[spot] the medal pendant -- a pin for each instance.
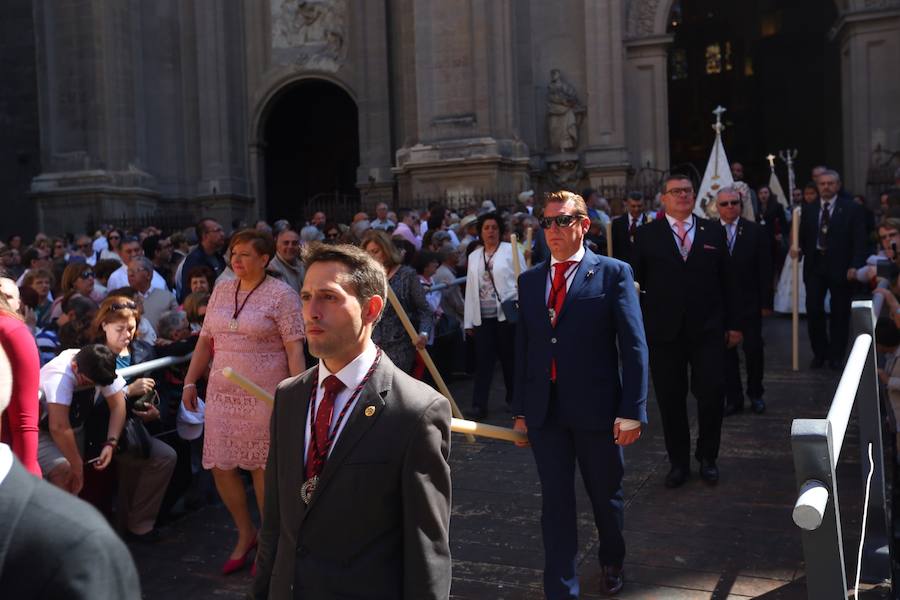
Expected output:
(552, 313)
(233, 325)
(308, 488)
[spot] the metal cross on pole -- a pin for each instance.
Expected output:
(718, 127)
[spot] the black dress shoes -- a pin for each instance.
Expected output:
(678, 474)
(817, 363)
(709, 472)
(733, 409)
(613, 579)
(758, 405)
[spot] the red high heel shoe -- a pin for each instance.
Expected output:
(236, 564)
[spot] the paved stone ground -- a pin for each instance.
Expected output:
(735, 540)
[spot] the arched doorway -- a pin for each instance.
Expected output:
(771, 64)
(310, 137)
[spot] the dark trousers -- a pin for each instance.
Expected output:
(493, 340)
(556, 449)
(833, 344)
(753, 361)
(669, 364)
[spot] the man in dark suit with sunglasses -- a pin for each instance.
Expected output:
(689, 300)
(578, 313)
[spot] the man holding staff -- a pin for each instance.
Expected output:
(570, 395)
(357, 479)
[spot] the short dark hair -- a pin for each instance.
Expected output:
(31, 253)
(200, 228)
(98, 363)
(635, 195)
(262, 241)
(151, 245)
(674, 177)
(587, 193)
(423, 259)
(886, 333)
(365, 276)
(491, 216)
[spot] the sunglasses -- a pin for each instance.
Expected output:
(86, 274)
(730, 203)
(124, 305)
(560, 220)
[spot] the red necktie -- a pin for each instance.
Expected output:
(315, 458)
(556, 299)
(633, 229)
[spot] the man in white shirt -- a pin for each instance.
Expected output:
(382, 221)
(59, 453)
(129, 249)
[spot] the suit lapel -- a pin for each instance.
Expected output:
(700, 238)
(294, 445)
(667, 237)
(358, 424)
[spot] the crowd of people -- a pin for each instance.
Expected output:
(80, 315)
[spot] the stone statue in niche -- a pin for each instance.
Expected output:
(309, 33)
(564, 113)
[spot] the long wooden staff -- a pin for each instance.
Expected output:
(529, 233)
(469, 428)
(609, 248)
(795, 290)
(517, 267)
(435, 374)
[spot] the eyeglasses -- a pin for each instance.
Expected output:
(560, 220)
(86, 274)
(124, 305)
(730, 203)
(680, 191)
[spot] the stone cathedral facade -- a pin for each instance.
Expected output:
(149, 107)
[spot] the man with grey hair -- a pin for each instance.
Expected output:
(751, 260)
(382, 222)
(156, 301)
(52, 544)
(833, 241)
(287, 257)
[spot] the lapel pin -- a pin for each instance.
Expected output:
(370, 410)
(589, 274)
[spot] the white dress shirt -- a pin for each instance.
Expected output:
(6, 461)
(624, 424)
(351, 376)
(690, 226)
(119, 279)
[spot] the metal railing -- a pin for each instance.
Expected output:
(816, 446)
(443, 286)
(152, 365)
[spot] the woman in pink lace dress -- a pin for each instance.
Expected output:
(254, 325)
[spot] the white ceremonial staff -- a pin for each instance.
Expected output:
(469, 428)
(788, 157)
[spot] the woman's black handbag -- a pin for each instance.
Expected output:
(136, 440)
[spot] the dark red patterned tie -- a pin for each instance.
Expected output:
(557, 298)
(633, 229)
(315, 460)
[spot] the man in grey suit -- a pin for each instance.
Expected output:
(53, 545)
(357, 479)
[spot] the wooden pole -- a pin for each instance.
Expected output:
(469, 428)
(529, 235)
(517, 267)
(609, 249)
(795, 290)
(414, 337)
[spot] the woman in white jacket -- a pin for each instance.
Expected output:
(490, 280)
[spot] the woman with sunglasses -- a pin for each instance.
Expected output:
(142, 481)
(490, 281)
(113, 240)
(77, 279)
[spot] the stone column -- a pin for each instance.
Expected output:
(465, 101)
(870, 60)
(605, 154)
(88, 67)
(646, 88)
(223, 187)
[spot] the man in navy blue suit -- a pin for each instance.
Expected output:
(578, 311)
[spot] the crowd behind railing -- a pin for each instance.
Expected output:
(110, 300)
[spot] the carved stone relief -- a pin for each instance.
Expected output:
(564, 114)
(309, 33)
(641, 19)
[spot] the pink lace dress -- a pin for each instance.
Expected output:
(237, 424)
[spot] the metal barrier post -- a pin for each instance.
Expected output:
(812, 447)
(876, 562)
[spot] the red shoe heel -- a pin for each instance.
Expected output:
(233, 565)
